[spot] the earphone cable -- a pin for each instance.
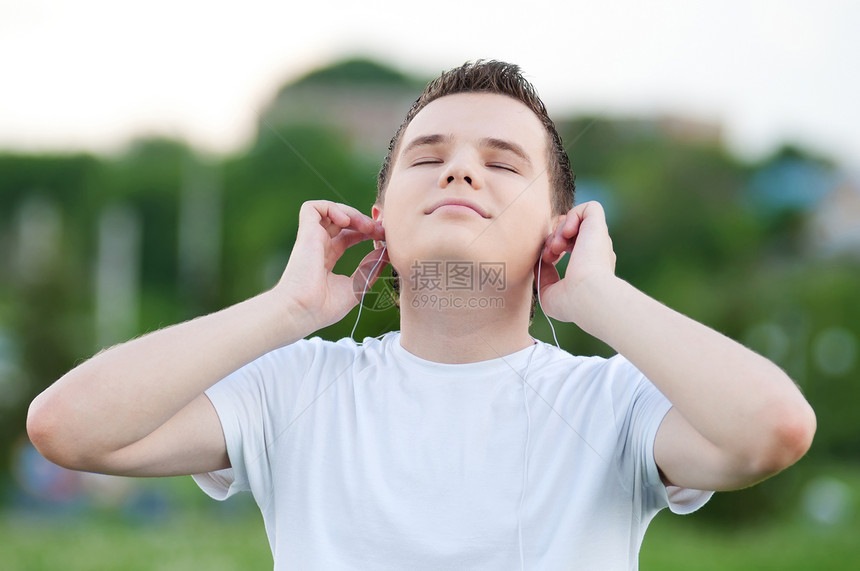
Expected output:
(364, 292)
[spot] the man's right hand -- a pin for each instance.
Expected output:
(326, 230)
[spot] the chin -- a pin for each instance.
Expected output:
(441, 248)
(424, 242)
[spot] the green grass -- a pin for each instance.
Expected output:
(217, 543)
(92, 544)
(673, 543)
(214, 536)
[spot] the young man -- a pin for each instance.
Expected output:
(459, 441)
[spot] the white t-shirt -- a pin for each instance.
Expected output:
(365, 456)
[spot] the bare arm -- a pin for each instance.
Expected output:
(736, 417)
(139, 408)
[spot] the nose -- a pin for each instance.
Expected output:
(461, 168)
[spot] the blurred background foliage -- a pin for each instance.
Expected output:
(97, 249)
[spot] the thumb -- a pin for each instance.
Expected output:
(368, 270)
(545, 274)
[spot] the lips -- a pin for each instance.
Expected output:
(458, 202)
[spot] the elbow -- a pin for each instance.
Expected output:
(41, 428)
(49, 433)
(787, 439)
(44, 429)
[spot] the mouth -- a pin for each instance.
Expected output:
(458, 204)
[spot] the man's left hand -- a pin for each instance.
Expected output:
(583, 233)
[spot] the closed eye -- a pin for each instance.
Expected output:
(502, 166)
(420, 162)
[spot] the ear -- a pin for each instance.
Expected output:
(376, 214)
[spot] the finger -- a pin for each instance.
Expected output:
(574, 220)
(348, 238)
(564, 239)
(546, 254)
(548, 274)
(558, 244)
(349, 217)
(369, 228)
(591, 212)
(333, 217)
(560, 224)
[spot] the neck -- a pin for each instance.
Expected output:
(464, 327)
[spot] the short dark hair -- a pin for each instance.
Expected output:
(500, 78)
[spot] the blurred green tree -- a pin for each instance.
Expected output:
(722, 240)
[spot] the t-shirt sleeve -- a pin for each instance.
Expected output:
(252, 404)
(642, 411)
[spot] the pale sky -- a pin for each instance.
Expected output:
(94, 74)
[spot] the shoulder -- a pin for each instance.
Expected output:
(562, 366)
(316, 355)
(314, 350)
(612, 382)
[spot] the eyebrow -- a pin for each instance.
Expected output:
(426, 140)
(488, 142)
(503, 145)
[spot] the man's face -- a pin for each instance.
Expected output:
(469, 182)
